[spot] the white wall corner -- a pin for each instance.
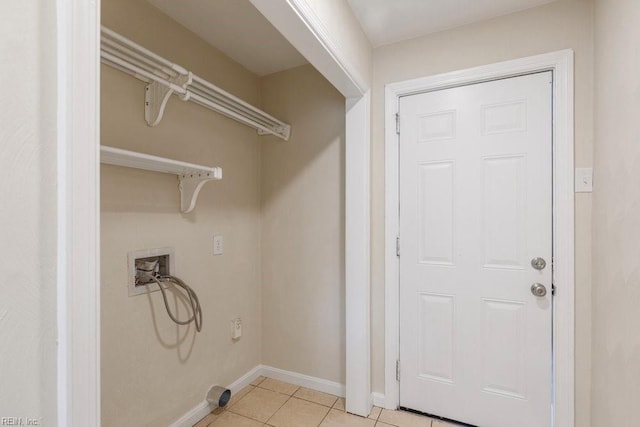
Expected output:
(203, 408)
(302, 380)
(379, 400)
(246, 379)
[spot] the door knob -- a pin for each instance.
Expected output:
(538, 263)
(538, 290)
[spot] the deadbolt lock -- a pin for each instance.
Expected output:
(538, 263)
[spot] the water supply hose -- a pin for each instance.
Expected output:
(194, 303)
(147, 272)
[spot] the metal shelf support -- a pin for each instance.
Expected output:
(191, 177)
(165, 78)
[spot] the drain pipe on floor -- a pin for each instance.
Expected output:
(218, 396)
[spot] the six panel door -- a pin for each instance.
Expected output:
(475, 209)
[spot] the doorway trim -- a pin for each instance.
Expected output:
(78, 212)
(305, 30)
(561, 64)
(78, 307)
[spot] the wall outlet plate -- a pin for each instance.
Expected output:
(236, 328)
(584, 180)
(218, 245)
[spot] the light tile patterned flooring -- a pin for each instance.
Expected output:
(268, 402)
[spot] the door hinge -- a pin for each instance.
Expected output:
(398, 123)
(553, 276)
(398, 246)
(397, 370)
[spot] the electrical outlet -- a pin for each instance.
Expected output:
(218, 245)
(236, 325)
(584, 180)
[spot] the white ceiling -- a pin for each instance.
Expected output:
(238, 29)
(389, 21)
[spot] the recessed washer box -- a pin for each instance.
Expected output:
(166, 266)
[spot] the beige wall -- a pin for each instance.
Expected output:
(616, 218)
(153, 371)
(561, 25)
(303, 227)
(28, 213)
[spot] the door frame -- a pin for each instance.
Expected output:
(305, 30)
(561, 64)
(78, 284)
(78, 212)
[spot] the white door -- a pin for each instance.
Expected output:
(475, 209)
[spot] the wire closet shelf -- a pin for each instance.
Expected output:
(164, 78)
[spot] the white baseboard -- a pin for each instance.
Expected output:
(303, 380)
(245, 380)
(193, 416)
(203, 408)
(379, 400)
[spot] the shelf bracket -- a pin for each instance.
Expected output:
(190, 186)
(157, 95)
(282, 131)
(164, 78)
(191, 177)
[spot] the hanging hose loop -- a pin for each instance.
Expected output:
(148, 271)
(194, 303)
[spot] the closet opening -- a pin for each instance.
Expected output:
(214, 128)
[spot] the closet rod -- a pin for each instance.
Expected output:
(143, 51)
(111, 59)
(165, 78)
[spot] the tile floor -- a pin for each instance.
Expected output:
(268, 402)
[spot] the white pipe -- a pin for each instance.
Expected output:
(252, 115)
(125, 70)
(145, 51)
(198, 90)
(235, 99)
(114, 47)
(249, 116)
(118, 67)
(227, 112)
(154, 70)
(116, 60)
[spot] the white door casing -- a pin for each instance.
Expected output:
(78, 211)
(299, 24)
(561, 64)
(79, 24)
(475, 208)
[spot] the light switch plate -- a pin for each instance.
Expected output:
(584, 180)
